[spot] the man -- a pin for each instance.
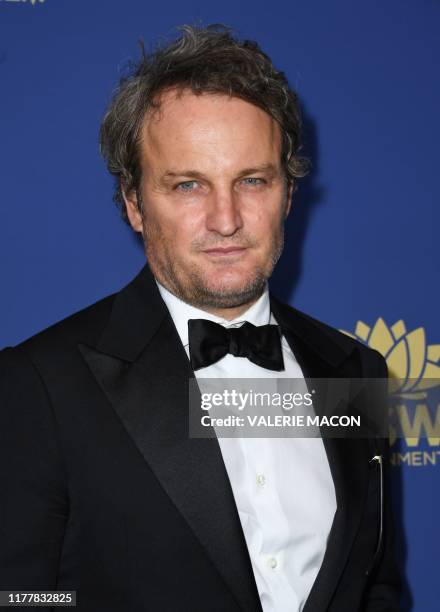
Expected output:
(103, 490)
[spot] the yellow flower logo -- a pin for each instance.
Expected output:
(412, 364)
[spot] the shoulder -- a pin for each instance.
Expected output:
(83, 326)
(330, 338)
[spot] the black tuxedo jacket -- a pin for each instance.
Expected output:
(103, 492)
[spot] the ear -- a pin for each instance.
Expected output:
(289, 194)
(132, 208)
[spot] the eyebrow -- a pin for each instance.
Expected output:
(170, 174)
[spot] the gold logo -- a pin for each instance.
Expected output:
(414, 369)
(412, 364)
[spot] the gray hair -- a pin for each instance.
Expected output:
(204, 60)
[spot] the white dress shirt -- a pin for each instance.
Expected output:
(283, 488)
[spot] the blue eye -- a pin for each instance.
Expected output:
(253, 181)
(186, 186)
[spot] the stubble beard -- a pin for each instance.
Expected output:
(194, 289)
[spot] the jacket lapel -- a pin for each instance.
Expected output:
(320, 357)
(142, 368)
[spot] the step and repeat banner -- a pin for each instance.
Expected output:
(362, 239)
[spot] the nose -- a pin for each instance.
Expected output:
(223, 212)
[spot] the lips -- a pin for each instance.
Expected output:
(225, 250)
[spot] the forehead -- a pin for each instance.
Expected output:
(186, 123)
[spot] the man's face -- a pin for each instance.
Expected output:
(213, 196)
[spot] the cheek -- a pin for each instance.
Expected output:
(264, 224)
(265, 210)
(181, 231)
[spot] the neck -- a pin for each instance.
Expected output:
(228, 313)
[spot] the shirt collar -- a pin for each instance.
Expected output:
(181, 312)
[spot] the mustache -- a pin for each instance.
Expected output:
(215, 242)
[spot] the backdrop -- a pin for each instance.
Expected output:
(360, 250)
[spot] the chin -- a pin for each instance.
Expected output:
(232, 288)
(230, 281)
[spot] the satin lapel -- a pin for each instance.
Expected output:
(347, 457)
(148, 388)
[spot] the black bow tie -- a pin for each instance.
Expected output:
(209, 342)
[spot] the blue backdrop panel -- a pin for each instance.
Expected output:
(360, 250)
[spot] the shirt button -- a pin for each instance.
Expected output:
(272, 562)
(261, 480)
